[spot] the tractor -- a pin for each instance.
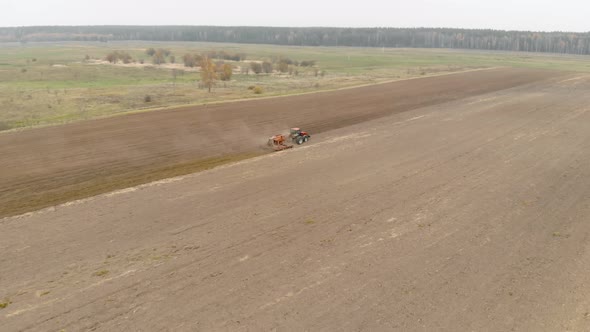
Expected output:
(297, 136)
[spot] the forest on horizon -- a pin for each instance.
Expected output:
(497, 40)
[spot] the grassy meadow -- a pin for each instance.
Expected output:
(52, 83)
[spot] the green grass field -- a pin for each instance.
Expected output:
(51, 83)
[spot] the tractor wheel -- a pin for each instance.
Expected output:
(306, 139)
(299, 140)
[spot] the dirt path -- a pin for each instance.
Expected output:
(47, 166)
(467, 215)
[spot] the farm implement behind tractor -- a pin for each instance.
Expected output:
(296, 135)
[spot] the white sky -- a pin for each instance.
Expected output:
(543, 15)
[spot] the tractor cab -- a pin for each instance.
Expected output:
(295, 132)
(298, 136)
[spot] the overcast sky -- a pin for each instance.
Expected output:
(543, 15)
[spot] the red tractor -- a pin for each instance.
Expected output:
(297, 136)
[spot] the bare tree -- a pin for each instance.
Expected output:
(283, 67)
(244, 70)
(256, 67)
(112, 57)
(189, 60)
(267, 67)
(125, 57)
(174, 74)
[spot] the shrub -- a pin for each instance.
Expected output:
(256, 67)
(283, 67)
(267, 67)
(5, 303)
(112, 57)
(147, 98)
(286, 60)
(251, 87)
(125, 57)
(258, 90)
(189, 60)
(115, 56)
(159, 57)
(223, 55)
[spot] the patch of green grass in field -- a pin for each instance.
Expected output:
(5, 303)
(49, 83)
(101, 273)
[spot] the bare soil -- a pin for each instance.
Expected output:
(465, 215)
(47, 166)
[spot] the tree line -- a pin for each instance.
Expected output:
(554, 42)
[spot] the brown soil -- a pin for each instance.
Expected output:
(47, 166)
(469, 215)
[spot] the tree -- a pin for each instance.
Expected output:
(174, 75)
(112, 57)
(115, 56)
(172, 59)
(125, 57)
(267, 67)
(159, 57)
(208, 73)
(524, 41)
(244, 70)
(226, 73)
(287, 60)
(189, 60)
(150, 51)
(283, 66)
(256, 67)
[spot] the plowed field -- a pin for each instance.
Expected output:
(470, 214)
(47, 166)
